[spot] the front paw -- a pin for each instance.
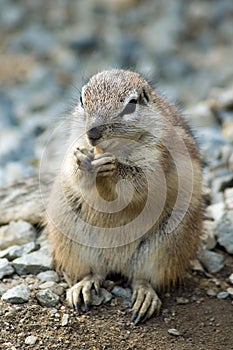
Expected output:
(145, 302)
(104, 164)
(81, 292)
(84, 158)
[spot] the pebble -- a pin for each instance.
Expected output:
(122, 292)
(65, 320)
(212, 261)
(16, 233)
(31, 340)
(6, 268)
(17, 295)
(215, 211)
(231, 278)
(182, 300)
(3, 289)
(103, 297)
(49, 275)
(224, 231)
(211, 293)
(7, 115)
(211, 142)
(53, 286)
(228, 195)
(47, 298)
(209, 234)
(230, 291)
(33, 263)
(222, 295)
(174, 331)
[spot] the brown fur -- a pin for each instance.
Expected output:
(158, 256)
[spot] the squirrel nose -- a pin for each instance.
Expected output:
(94, 133)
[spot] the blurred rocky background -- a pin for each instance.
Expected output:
(48, 49)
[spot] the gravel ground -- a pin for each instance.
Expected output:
(46, 53)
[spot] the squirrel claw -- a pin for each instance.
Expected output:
(82, 291)
(145, 302)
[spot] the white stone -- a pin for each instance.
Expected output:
(31, 340)
(215, 211)
(16, 251)
(212, 261)
(65, 320)
(5, 268)
(47, 298)
(33, 263)
(208, 237)
(228, 195)
(17, 295)
(16, 233)
(231, 278)
(49, 275)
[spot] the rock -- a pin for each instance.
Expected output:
(222, 182)
(16, 145)
(231, 278)
(122, 292)
(212, 261)
(6, 268)
(211, 293)
(224, 231)
(227, 129)
(3, 289)
(231, 162)
(65, 320)
(33, 263)
(16, 233)
(174, 331)
(103, 298)
(47, 298)
(31, 340)
(230, 291)
(17, 295)
(49, 275)
(7, 114)
(228, 195)
(35, 39)
(211, 142)
(16, 251)
(215, 211)
(222, 295)
(221, 99)
(13, 15)
(182, 301)
(53, 286)
(208, 237)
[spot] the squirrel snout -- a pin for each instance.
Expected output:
(94, 133)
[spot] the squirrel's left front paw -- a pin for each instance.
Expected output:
(104, 164)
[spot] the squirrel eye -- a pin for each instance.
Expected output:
(130, 107)
(81, 100)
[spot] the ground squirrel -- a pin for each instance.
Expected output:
(127, 198)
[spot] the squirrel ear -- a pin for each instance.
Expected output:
(81, 100)
(144, 94)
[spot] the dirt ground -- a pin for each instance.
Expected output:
(204, 323)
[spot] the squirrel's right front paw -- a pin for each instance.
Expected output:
(84, 159)
(81, 292)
